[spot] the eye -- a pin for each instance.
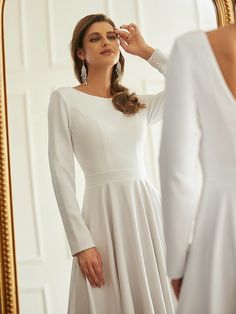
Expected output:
(94, 39)
(112, 37)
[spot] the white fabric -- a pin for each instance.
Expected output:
(121, 209)
(199, 125)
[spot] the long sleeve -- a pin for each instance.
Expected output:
(159, 61)
(61, 160)
(155, 103)
(179, 158)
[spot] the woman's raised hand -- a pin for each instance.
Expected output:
(90, 263)
(132, 41)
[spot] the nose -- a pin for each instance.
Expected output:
(105, 42)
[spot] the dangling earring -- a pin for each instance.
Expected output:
(118, 69)
(83, 74)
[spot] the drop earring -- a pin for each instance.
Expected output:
(83, 73)
(118, 69)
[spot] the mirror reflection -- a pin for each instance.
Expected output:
(38, 62)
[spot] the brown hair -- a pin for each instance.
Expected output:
(123, 100)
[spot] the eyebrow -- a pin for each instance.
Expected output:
(96, 33)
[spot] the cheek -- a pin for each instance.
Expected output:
(116, 46)
(90, 54)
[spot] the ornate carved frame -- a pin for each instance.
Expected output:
(225, 11)
(8, 277)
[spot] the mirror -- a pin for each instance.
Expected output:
(36, 60)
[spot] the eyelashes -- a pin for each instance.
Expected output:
(109, 37)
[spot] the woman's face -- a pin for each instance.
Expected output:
(100, 45)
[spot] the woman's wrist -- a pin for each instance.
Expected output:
(146, 52)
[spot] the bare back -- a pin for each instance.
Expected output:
(223, 43)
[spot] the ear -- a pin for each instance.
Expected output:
(81, 54)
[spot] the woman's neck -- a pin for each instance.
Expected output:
(99, 81)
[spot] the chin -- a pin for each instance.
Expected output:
(110, 63)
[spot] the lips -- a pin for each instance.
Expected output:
(107, 51)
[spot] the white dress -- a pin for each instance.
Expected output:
(199, 125)
(121, 209)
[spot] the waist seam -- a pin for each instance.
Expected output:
(114, 176)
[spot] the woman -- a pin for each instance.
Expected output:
(200, 125)
(117, 243)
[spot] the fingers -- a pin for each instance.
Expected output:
(91, 267)
(93, 278)
(132, 28)
(122, 34)
(99, 273)
(100, 261)
(95, 275)
(126, 31)
(123, 44)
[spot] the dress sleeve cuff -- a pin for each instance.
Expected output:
(159, 61)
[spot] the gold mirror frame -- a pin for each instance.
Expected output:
(8, 277)
(224, 11)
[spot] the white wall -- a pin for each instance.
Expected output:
(37, 34)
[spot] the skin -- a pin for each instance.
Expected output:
(223, 43)
(98, 37)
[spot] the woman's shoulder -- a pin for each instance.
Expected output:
(65, 95)
(62, 92)
(189, 41)
(188, 51)
(60, 100)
